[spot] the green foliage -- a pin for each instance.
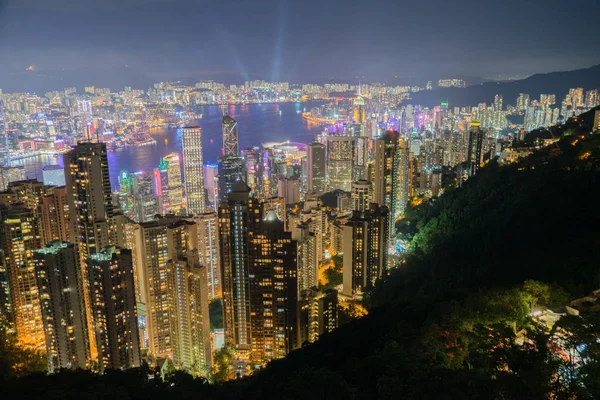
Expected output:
(16, 361)
(215, 309)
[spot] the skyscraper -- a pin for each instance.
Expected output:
(208, 248)
(145, 201)
(316, 171)
(317, 314)
(474, 151)
(306, 256)
(273, 284)
(211, 182)
(365, 249)
(60, 287)
(340, 156)
(168, 184)
(237, 217)
(54, 215)
(113, 308)
(230, 137)
(193, 171)
(156, 243)
(20, 238)
(188, 311)
(90, 210)
(362, 192)
(4, 148)
(231, 170)
(386, 172)
(403, 178)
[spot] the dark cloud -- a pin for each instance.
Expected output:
(302, 40)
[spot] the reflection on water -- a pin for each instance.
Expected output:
(257, 123)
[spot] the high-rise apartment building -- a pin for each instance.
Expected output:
(306, 256)
(60, 286)
(208, 248)
(193, 171)
(365, 239)
(316, 158)
(188, 311)
(90, 211)
(156, 243)
(20, 238)
(289, 189)
(53, 175)
(55, 217)
(317, 314)
(362, 192)
(168, 184)
(113, 309)
(474, 151)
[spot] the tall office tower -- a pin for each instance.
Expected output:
(365, 239)
(498, 102)
(307, 256)
(273, 289)
(90, 209)
(60, 288)
(522, 102)
(193, 171)
(10, 174)
(168, 184)
(125, 196)
(238, 216)
(55, 216)
(20, 237)
(317, 314)
(188, 311)
(362, 193)
(360, 158)
(358, 106)
(254, 170)
(157, 242)
(474, 153)
(340, 154)
(53, 175)
(113, 308)
(211, 183)
(208, 248)
(145, 202)
(317, 171)
(289, 189)
(231, 170)
(230, 137)
(403, 179)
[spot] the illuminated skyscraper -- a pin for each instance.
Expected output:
(498, 102)
(260, 289)
(63, 309)
(318, 314)
(474, 151)
(385, 172)
(230, 137)
(113, 309)
(237, 217)
(168, 184)
(273, 290)
(193, 171)
(365, 239)
(340, 154)
(403, 179)
(55, 216)
(20, 238)
(145, 202)
(316, 172)
(188, 311)
(289, 189)
(359, 110)
(231, 170)
(211, 183)
(4, 148)
(90, 209)
(157, 242)
(208, 248)
(307, 256)
(362, 192)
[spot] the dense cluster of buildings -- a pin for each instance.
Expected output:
(102, 277)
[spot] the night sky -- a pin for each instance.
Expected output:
(302, 40)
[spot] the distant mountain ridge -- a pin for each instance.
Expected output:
(557, 83)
